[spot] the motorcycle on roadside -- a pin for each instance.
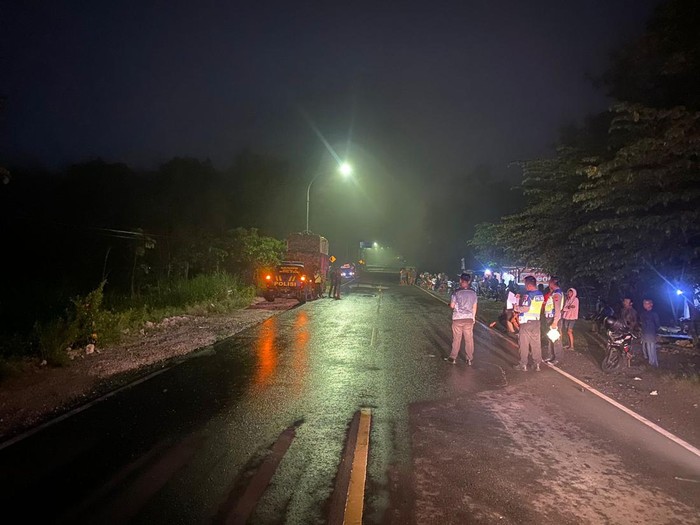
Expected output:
(598, 318)
(618, 344)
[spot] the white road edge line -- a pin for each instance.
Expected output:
(642, 419)
(628, 411)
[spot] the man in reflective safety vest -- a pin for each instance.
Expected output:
(552, 320)
(318, 282)
(529, 308)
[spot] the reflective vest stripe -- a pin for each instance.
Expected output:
(549, 305)
(533, 314)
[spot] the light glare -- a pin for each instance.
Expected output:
(345, 169)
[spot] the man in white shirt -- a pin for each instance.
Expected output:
(463, 304)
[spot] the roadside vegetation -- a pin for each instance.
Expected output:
(105, 315)
(97, 250)
(619, 200)
(90, 321)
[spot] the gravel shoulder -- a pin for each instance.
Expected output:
(40, 393)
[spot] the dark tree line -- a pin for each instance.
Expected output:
(620, 200)
(64, 232)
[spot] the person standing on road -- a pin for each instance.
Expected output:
(529, 309)
(695, 317)
(570, 315)
(552, 318)
(318, 282)
(464, 305)
(629, 315)
(543, 326)
(331, 282)
(335, 283)
(650, 326)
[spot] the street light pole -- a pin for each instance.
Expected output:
(345, 170)
(308, 200)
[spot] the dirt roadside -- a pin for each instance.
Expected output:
(41, 393)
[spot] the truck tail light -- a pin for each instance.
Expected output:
(303, 277)
(268, 277)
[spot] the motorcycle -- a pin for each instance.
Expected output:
(598, 318)
(619, 344)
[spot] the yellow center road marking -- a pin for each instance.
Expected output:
(690, 448)
(356, 491)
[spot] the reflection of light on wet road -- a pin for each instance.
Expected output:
(300, 360)
(301, 331)
(274, 337)
(267, 353)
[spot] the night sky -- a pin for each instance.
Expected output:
(412, 92)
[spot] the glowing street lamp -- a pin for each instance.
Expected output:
(344, 169)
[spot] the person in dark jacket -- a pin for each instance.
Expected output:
(629, 315)
(650, 323)
(335, 284)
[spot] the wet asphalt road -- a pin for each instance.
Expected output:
(448, 444)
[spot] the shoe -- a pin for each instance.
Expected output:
(451, 361)
(469, 362)
(537, 367)
(553, 361)
(522, 368)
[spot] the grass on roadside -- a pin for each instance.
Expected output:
(101, 319)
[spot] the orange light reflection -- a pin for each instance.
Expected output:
(267, 353)
(300, 362)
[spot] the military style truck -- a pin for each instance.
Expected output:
(294, 277)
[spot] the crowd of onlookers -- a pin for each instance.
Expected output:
(407, 276)
(438, 282)
(644, 324)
